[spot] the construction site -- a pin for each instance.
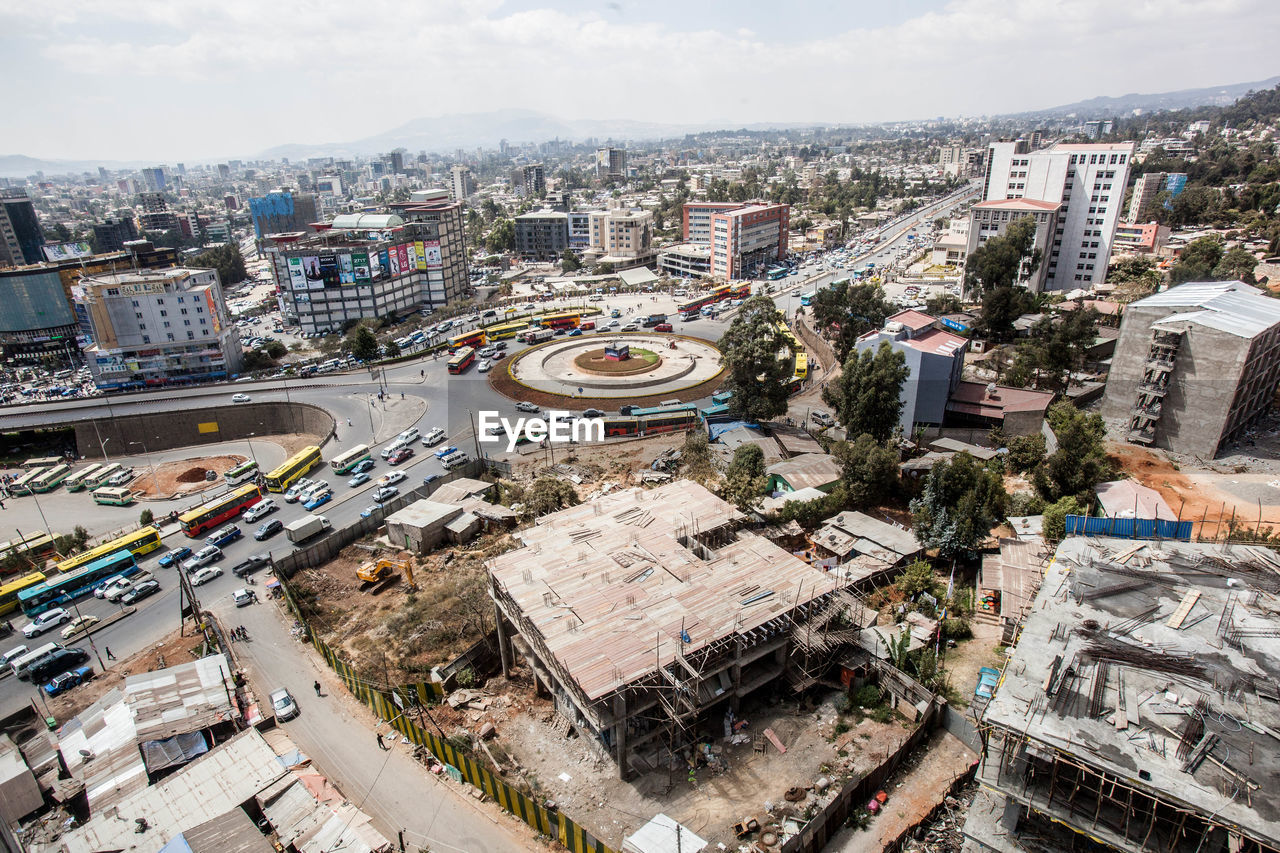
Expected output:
(1140, 708)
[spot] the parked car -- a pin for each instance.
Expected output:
(385, 494)
(662, 327)
(56, 662)
(294, 492)
(442, 452)
(175, 557)
(140, 591)
(359, 479)
(78, 624)
(101, 590)
(318, 500)
(364, 467)
(240, 398)
(203, 557)
(67, 680)
(225, 535)
(242, 597)
(593, 413)
(283, 704)
(523, 406)
(485, 366)
(370, 510)
(205, 575)
(268, 529)
(433, 437)
(430, 478)
(391, 478)
(49, 619)
(250, 564)
(261, 509)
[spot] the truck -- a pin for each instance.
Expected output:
(653, 320)
(306, 527)
(537, 336)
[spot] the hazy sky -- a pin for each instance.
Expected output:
(199, 79)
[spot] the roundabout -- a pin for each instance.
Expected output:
(613, 367)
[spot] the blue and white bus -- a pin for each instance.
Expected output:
(62, 588)
(807, 298)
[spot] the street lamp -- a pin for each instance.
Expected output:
(47, 531)
(76, 608)
(249, 438)
(150, 464)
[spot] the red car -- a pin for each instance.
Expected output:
(400, 455)
(662, 327)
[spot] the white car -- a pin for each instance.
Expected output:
(205, 575)
(314, 489)
(203, 557)
(264, 507)
(295, 491)
(240, 398)
(51, 618)
(433, 437)
(101, 590)
(485, 366)
(391, 478)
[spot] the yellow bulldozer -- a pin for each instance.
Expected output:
(378, 571)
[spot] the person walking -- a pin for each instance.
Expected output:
(382, 746)
(317, 687)
(110, 656)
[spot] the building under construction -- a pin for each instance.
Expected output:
(645, 612)
(1140, 709)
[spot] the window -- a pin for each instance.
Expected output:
(1079, 278)
(1122, 156)
(159, 300)
(135, 304)
(191, 336)
(146, 339)
(164, 313)
(184, 310)
(188, 322)
(170, 336)
(166, 324)
(138, 314)
(182, 299)
(1113, 159)
(142, 325)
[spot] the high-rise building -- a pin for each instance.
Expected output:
(611, 164)
(989, 219)
(542, 235)
(396, 161)
(534, 180)
(281, 212)
(1087, 181)
(154, 179)
(20, 234)
(224, 171)
(157, 327)
(461, 185)
(741, 237)
(1146, 188)
(111, 235)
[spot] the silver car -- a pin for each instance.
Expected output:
(283, 704)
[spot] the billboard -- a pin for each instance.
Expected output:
(297, 278)
(360, 267)
(394, 268)
(433, 260)
(346, 269)
(311, 272)
(378, 264)
(420, 254)
(66, 251)
(403, 252)
(329, 269)
(213, 311)
(413, 256)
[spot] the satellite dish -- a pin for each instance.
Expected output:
(991, 389)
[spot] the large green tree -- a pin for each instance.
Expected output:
(1000, 307)
(845, 312)
(750, 349)
(1198, 260)
(1058, 345)
(1003, 260)
(364, 345)
(227, 260)
(961, 501)
(744, 479)
(1080, 461)
(502, 237)
(1236, 264)
(867, 395)
(869, 470)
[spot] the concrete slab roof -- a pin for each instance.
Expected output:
(424, 513)
(1181, 624)
(1131, 499)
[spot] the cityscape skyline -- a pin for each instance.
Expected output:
(230, 85)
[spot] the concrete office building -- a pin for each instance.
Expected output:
(282, 212)
(935, 359)
(1195, 366)
(533, 180)
(111, 235)
(461, 185)
(741, 237)
(579, 230)
(989, 219)
(20, 234)
(370, 265)
(158, 327)
(1137, 710)
(1146, 238)
(652, 561)
(611, 164)
(1087, 181)
(622, 237)
(1142, 204)
(685, 260)
(154, 179)
(542, 235)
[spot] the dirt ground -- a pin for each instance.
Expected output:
(531, 744)
(618, 461)
(183, 477)
(964, 661)
(170, 650)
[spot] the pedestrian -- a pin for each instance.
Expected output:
(110, 656)
(317, 687)
(382, 746)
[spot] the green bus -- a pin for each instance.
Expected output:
(345, 462)
(51, 479)
(80, 479)
(113, 496)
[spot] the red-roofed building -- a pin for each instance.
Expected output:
(989, 219)
(1016, 411)
(934, 357)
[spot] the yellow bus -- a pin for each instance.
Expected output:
(141, 541)
(802, 367)
(9, 592)
(80, 479)
(505, 330)
(113, 495)
(32, 546)
(23, 485)
(294, 467)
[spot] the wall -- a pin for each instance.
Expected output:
(166, 430)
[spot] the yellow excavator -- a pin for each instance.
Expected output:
(377, 571)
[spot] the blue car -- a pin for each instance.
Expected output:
(366, 465)
(67, 680)
(319, 500)
(174, 557)
(575, 333)
(369, 510)
(430, 478)
(359, 479)
(225, 536)
(445, 451)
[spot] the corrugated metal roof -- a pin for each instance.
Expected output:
(1228, 306)
(862, 526)
(181, 699)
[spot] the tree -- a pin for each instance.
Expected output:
(961, 501)
(1025, 452)
(228, 262)
(867, 395)
(276, 350)
(943, 303)
(1055, 517)
(696, 457)
(548, 494)
(364, 345)
(391, 349)
(146, 517)
(759, 379)
(869, 470)
(1198, 260)
(1004, 260)
(1000, 307)
(1080, 462)
(502, 237)
(1058, 345)
(1135, 277)
(1236, 264)
(569, 261)
(744, 480)
(847, 311)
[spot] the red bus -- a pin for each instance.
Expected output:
(462, 360)
(219, 510)
(717, 294)
(466, 339)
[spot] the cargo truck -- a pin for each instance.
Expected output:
(306, 527)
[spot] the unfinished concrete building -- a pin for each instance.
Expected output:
(1140, 707)
(1195, 366)
(646, 612)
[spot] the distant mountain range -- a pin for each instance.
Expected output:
(468, 130)
(1107, 107)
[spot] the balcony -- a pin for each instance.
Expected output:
(1142, 435)
(1160, 364)
(1153, 389)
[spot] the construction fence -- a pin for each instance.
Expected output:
(398, 704)
(1128, 528)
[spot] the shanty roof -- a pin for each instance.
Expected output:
(184, 698)
(615, 587)
(456, 491)
(872, 536)
(974, 398)
(1228, 306)
(809, 470)
(1191, 638)
(100, 747)
(1130, 499)
(1016, 572)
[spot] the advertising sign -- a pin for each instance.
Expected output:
(346, 270)
(403, 252)
(360, 266)
(394, 267)
(329, 269)
(213, 312)
(66, 251)
(311, 272)
(377, 265)
(297, 278)
(433, 259)
(413, 256)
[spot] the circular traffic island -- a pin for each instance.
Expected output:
(640, 368)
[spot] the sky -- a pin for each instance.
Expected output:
(200, 80)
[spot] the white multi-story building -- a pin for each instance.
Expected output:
(1088, 181)
(156, 327)
(461, 185)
